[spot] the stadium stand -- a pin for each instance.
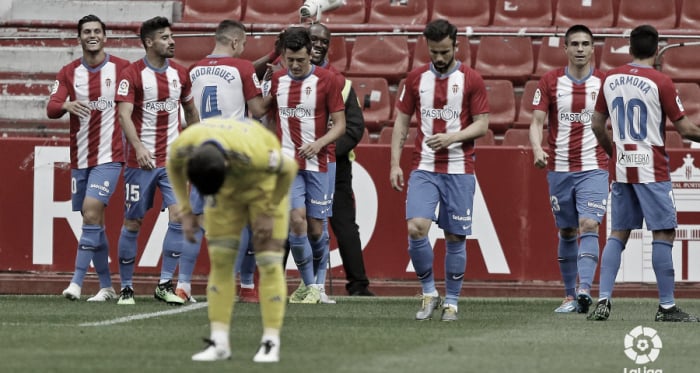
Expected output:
(338, 53)
(366, 139)
(283, 12)
(505, 57)
(119, 11)
(674, 140)
(375, 101)
(522, 13)
(386, 133)
(632, 13)
(353, 12)
(487, 140)
(681, 63)
(525, 107)
(190, 49)
(516, 137)
(257, 46)
(615, 53)
(462, 13)
(689, 15)
(380, 56)
(689, 94)
(212, 11)
(421, 55)
(592, 13)
(501, 105)
(398, 12)
(551, 55)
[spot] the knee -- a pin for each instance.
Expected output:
(298, 224)
(588, 226)
(567, 233)
(417, 229)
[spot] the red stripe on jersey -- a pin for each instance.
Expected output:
(295, 123)
(95, 91)
(632, 173)
(162, 119)
(578, 104)
(661, 168)
(440, 125)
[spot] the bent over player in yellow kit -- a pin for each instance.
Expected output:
(240, 167)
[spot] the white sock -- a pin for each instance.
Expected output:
(247, 286)
(186, 286)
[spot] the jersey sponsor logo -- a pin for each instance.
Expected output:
(169, 105)
(634, 159)
(54, 87)
(295, 112)
(583, 117)
(123, 88)
(101, 104)
(446, 113)
(101, 188)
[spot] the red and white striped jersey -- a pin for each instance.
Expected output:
(573, 146)
(444, 104)
(96, 139)
(303, 107)
(638, 99)
(156, 95)
(221, 86)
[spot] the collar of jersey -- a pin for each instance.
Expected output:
(445, 75)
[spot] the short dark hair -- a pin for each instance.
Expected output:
(150, 26)
(206, 168)
(227, 26)
(439, 29)
(576, 29)
(295, 38)
(90, 18)
(644, 41)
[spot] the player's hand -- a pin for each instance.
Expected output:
(308, 151)
(540, 157)
(396, 178)
(438, 141)
(77, 108)
(145, 159)
(190, 225)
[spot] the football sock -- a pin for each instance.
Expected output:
(609, 265)
(101, 261)
(422, 258)
(567, 253)
(587, 260)
(301, 252)
(88, 243)
(188, 260)
(172, 250)
(662, 261)
(319, 250)
(455, 264)
(127, 256)
(221, 286)
(273, 289)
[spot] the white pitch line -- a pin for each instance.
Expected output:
(142, 316)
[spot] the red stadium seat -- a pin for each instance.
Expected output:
(689, 93)
(525, 108)
(501, 105)
(674, 140)
(190, 49)
(353, 12)
(365, 137)
(212, 11)
(632, 13)
(277, 11)
(380, 56)
(398, 12)
(522, 13)
(516, 137)
(505, 57)
(386, 133)
(257, 46)
(375, 102)
(615, 53)
(421, 56)
(689, 15)
(486, 140)
(462, 13)
(551, 55)
(681, 63)
(338, 54)
(592, 13)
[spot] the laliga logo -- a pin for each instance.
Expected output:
(642, 345)
(316, 7)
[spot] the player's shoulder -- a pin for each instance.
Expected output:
(118, 61)
(554, 74)
(177, 66)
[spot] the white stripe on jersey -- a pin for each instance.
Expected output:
(149, 117)
(108, 84)
(82, 91)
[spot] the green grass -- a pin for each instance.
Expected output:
(43, 334)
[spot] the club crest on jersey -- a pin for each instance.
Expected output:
(307, 90)
(593, 95)
(175, 83)
(108, 82)
(123, 88)
(455, 88)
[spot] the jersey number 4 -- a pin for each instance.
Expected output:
(209, 106)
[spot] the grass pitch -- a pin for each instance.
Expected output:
(359, 334)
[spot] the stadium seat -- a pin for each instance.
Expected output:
(462, 13)
(501, 105)
(212, 11)
(421, 55)
(353, 12)
(689, 93)
(486, 140)
(375, 102)
(681, 63)
(279, 11)
(257, 46)
(525, 108)
(615, 53)
(386, 133)
(592, 13)
(190, 49)
(338, 54)
(398, 12)
(689, 15)
(551, 55)
(522, 13)
(365, 137)
(632, 13)
(380, 56)
(516, 137)
(505, 57)
(674, 140)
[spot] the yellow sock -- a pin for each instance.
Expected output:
(221, 287)
(272, 289)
